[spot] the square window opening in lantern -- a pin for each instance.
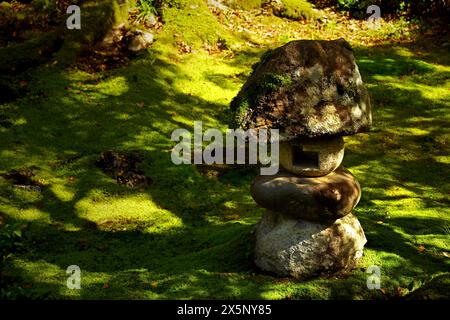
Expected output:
(305, 159)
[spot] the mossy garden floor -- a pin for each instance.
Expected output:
(188, 235)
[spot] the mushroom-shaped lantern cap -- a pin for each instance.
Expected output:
(306, 89)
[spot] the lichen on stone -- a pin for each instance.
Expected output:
(270, 83)
(306, 89)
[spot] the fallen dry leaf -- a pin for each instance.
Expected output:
(400, 292)
(421, 248)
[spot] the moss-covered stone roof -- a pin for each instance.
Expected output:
(306, 89)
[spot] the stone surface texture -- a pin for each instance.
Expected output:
(139, 40)
(330, 153)
(315, 199)
(306, 89)
(301, 249)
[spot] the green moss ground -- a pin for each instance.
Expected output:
(187, 236)
(294, 9)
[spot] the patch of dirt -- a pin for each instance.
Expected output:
(22, 20)
(231, 217)
(22, 179)
(110, 53)
(124, 168)
(216, 171)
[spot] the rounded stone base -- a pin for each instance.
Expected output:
(302, 249)
(314, 199)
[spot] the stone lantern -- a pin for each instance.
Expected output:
(313, 93)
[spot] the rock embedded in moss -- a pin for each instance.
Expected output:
(324, 96)
(302, 249)
(139, 40)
